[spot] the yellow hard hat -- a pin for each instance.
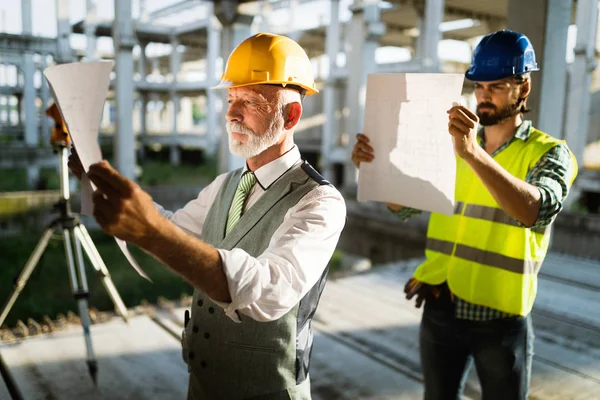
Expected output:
(271, 59)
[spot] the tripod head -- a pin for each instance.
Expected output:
(60, 134)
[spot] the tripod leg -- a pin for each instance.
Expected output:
(27, 270)
(92, 253)
(80, 291)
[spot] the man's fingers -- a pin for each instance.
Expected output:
(457, 133)
(414, 289)
(103, 210)
(74, 167)
(410, 284)
(465, 111)
(470, 114)
(105, 186)
(460, 125)
(420, 299)
(362, 138)
(362, 146)
(110, 178)
(459, 114)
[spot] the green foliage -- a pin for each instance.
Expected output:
(153, 173)
(48, 290)
(197, 114)
(15, 180)
(336, 261)
(157, 173)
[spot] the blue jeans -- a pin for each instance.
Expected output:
(501, 349)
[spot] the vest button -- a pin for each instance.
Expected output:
(191, 355)
(195, 329)
(199, 302)
(206, 335)
(203, 364)
(211, 310)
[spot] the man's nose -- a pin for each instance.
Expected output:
(233, 113)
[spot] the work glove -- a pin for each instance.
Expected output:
(422, 290)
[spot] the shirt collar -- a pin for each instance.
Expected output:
(269, 173)
(523, 132)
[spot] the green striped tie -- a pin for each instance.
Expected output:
(239, 199)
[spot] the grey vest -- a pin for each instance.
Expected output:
(252, 360)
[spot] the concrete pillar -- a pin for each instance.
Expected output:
(143, 100)
(63, 32)
(143, 125)
(154, 98)
(19, 111)
(265, 15)
(143, 11)
(90, 30)
(364, 30)
(545, 22)
(330, 127)
(578, 106)
(236, 28)
(45, 96)
(214, 121)
(430, 34)
(142, 61)
(175, 61)
(4, 121)
(29, 95)
(124, 40)
(418, 44)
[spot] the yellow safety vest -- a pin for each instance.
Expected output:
(486, 257)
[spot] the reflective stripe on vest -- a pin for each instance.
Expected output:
(485, 257)
(494, 215)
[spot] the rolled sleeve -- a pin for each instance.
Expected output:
(552, 175)
(268, 286)
(406, 213)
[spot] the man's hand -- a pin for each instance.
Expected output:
(362, 152)
(121, 207)
(74, 164)
(422, 290)
(462, 125)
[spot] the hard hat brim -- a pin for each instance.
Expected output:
(229, 85)
(490, 78)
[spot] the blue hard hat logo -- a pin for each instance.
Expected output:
(500, 55)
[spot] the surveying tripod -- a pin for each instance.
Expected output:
(75, 236)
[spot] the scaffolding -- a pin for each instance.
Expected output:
(168, 58)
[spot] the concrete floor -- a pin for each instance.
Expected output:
(366, 345)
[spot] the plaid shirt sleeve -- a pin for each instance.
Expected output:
(405, 213)
(552, 174)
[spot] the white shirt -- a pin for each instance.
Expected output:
(268, 286)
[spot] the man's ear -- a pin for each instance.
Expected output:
(292, 114)
(525, 89)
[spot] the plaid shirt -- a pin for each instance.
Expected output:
(552, 175)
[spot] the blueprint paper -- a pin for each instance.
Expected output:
(79, 90)
(407, 124)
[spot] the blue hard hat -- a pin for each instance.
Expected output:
(500, 55)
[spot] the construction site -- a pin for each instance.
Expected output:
(162, 115)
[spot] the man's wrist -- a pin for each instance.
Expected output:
(475, 156)
(155, 233)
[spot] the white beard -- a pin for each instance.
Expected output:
(255, 144)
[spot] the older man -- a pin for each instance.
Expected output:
(256, 242)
